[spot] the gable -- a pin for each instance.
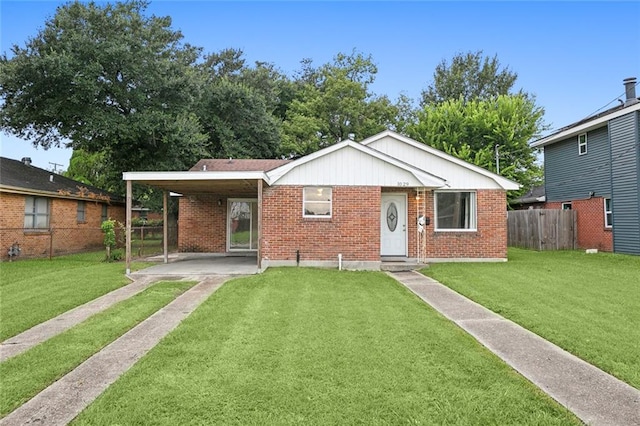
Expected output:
(458, 173)
(350, 164)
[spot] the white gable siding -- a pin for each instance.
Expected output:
(348, 166)
(457, 177)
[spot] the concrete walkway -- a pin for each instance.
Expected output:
(65, 399)
(46, 330)
(596, 397)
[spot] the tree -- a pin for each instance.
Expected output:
(471, 130)
(109, 80)
(470, 76)
(91, 169)
(334, 103)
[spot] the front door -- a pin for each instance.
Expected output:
(393, 225)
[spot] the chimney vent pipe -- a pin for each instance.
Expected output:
(630, 91)
(26, 161)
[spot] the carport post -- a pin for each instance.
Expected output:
(259, 223)
(128, 230)
(165, 233)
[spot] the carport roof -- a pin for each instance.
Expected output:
(219, 182)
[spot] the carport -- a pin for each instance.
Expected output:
(240, 183)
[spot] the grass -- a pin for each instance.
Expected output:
(303, 346)
(33, 291)
(29, 373)
(587, 304)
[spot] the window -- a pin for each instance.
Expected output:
(582, 144)
(36, 213)
(316, 202)
(455, 211)
(566, 206)
(105, 213)
(82, 205)
(608, 213)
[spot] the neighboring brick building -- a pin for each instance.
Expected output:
(593, 167)
(386, 198)
(49, 214)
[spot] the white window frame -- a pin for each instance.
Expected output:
(473, 213)
(607, 223)
(230, 201)
(567, 205)
(329, 202)
(31, 203)
(582, 144)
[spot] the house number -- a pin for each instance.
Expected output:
(403, 183)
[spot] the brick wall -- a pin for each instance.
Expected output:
(490, 239)
(590, 227)
(353, 229)
(202, 224)
(65, 235)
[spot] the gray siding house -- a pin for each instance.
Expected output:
(593, 166)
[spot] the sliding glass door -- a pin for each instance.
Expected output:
(242, 226)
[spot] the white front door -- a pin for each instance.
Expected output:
(393, 225)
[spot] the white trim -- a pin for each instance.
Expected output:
(317, 216)
(191, 176)
(585, 127)
(425, 178)
(503, 182)
(582, 144)
(566, 203)
(604, 206)
(473, 215)
(228, 219)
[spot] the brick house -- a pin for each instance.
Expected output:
(48, 214)
(386, 198)
(593, 167)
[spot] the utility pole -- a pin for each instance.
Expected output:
(497, 159)
(55, 166)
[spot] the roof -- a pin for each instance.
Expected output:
(244, 176)
(534, 195)
(587, 124)
(501, 181)
(237, 165)
(18, 177)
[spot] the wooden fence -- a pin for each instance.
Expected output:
(542, 229)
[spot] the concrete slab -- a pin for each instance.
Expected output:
(203, 264)
(597, 398)
(65, 399)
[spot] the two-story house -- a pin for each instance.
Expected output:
(593, 167)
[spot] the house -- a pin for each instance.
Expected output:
(534, 198)
(593, 167)
(47, 214)
(350, 204)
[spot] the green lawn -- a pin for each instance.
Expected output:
(27, 374)
(588, 304)
(305, 346)
(33, 291)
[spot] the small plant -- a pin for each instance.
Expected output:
(109, 230)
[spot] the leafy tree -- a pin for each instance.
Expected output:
(471, 131)
(469, 76)
(334, 103)
(109, 80)
(90, 168)
(237, 122)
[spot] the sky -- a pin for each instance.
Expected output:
(571, 55)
